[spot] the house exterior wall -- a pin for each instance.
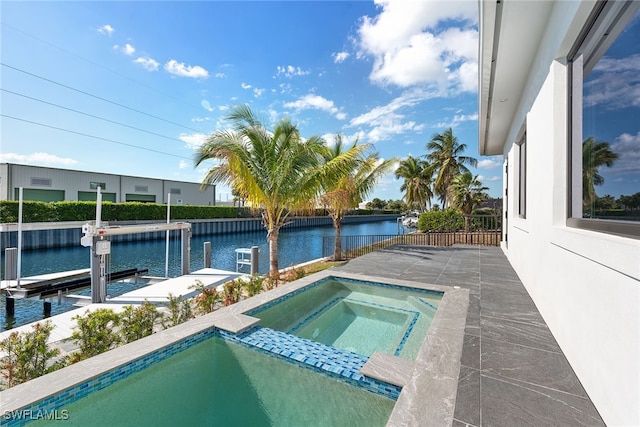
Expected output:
(586, 284)
(13, 176)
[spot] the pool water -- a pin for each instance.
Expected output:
(220, 383)
(356, 316)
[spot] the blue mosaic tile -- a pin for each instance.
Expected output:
(326, 360)
(427, 303)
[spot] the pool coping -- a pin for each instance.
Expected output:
(427, 398)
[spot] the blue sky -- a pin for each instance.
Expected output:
(393, 73)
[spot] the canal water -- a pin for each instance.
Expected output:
(294, 247)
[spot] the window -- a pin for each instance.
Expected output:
(605, 116)
(522, 176)
(94, 185)
(141, 189)
(175, 191)
(40, 182)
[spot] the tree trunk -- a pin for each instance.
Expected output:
(274, 271)
(337, 248)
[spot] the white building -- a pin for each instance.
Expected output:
(52, 185)
(550, 72)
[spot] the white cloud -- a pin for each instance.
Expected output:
(127, 49)
(194, 140)
(206, 105)
(285, 88)
(180, 69)
(457, 119)
(614, 83)
(258, 92)
(290, 71)
(316, 102)
(220, 75)
(406, 100)
(37, 159)
(200, 119)
(410, 47)
(627, 146)
(490, 162)
(484, 179)
(387, 120)
(183, 164)
(245, 86)
(106, 29)
(149, 64)
(339, 57)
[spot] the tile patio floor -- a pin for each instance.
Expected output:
(513, 373)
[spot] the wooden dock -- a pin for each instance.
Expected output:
(11, 286)
(159, 292)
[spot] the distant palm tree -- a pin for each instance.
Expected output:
(345, 188)
(278, 170)
(594, 155)
(417, 175)
(447, 159)
(467, 192)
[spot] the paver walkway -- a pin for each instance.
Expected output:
(513, 372)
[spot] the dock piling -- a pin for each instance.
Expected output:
(207, 254)
(254, 259)
(11, 307)
(46, 308)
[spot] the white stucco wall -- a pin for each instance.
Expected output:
(585, 284)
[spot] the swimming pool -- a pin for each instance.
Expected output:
(229, 364)
(217, 382)
(355, 315)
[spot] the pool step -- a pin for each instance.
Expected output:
(310, 354)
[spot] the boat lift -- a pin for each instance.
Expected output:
(96, 237)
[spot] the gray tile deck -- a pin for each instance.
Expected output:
(512, 371)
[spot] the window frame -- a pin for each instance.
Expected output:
(522, 176)
(605, 23)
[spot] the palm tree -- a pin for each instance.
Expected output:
(276, 170)
(344, 189)
(446, 157)
(594, 155)
(417, 175)
(467, 192)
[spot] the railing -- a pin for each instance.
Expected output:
(481, 230)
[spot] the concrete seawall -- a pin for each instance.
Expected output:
(64, 234)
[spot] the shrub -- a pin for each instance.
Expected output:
(254, 285)
(27, 355)
(294, 274)
(232, 292)
(179, 311)
(138, 322)
(207, 300)
(448, 220)
(95, 333)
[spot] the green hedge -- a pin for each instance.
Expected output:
(129, 211)
(448, 220)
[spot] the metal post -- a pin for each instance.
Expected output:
(254, 259)
(207, 254)
(10, 264)
(166, 254)
(95, 273)
(186, 249)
